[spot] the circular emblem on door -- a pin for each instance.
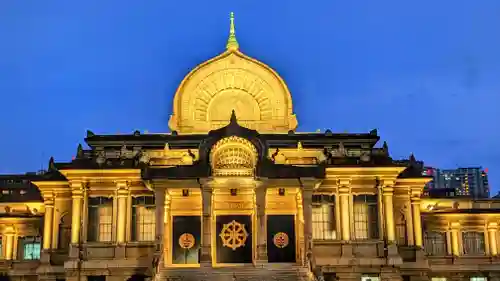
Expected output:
(186, 241)
(281, 240)
(233, 235)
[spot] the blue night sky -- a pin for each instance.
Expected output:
(424, 73)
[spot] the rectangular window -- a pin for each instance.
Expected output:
(143, 218)
(473, 243)
(31, 247)
(323, 217)
(438, 279)
(365, 217)
(478, 279)
(435, 243)
(100, 219)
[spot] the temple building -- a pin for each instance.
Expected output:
(234, 192)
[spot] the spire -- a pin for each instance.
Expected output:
(232, 43)
(233, 119)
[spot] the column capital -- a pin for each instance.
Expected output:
(416, 191)
(48, 203)
(121, 184)
(492, 226)
(9, 230)
(48, 199)
(387, 182)
(388, 190)
(415, 200)
(344, 182)
(77, 186)
(455, 225)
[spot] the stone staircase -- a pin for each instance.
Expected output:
(267, 272)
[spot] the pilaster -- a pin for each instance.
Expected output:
(48, 226)
(206, 241)
(410, 235)
(167, 248)
(344, 190)
(121, 197)
(48, 221)
(159, 216)
(492, 236)
(9, 234)
(387, 193)
(76, 210)
(455, 238)
(307, 192)
(417, 220)
(260, 194)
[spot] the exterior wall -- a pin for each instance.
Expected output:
(387, 256)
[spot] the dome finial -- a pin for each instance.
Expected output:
(232, 43)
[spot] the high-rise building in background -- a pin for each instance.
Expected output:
(470, 181)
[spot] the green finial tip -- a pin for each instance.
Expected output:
(232, 43)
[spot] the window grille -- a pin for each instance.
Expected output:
(143, 218)
(478, 279)
(435, 243)
(323, 217)
(365, 219)
(473, 243)
(100, 219)
(31, 247)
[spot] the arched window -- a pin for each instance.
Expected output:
(401, 228)
(64, 232)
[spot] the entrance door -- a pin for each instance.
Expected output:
(281, 242)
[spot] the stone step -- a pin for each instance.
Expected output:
(267, 272)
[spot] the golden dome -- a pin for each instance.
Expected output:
(233, 156)
(232, 81)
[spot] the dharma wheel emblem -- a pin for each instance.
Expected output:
(281, 240)
(233, 235)
(186, 241)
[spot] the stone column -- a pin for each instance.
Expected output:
(260, 192)
(409, 225)
(455, 238)
(58, 207)
(206, 241)
(159, 217)
(76, 211)
(167, 242)
(307, 191)
(492, 236)
(121, 195)
(48, 222)
(417, 221)
(9, 242)
(388, 192)
(344, 189)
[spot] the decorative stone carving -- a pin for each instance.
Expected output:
(233, 156)
(232, 81)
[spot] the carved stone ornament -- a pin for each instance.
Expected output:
(233, 156)
(232, 81)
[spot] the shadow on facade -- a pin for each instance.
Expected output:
(135, 277)
(4, 277)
